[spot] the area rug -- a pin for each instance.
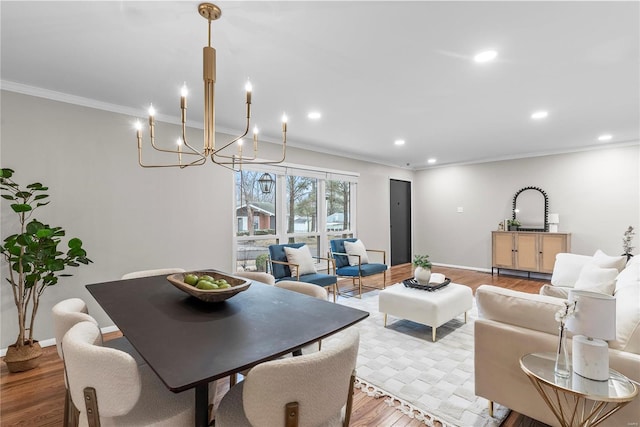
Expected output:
(430, 381)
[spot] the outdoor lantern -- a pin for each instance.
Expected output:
(266, 183)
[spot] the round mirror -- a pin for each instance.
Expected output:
(531, 209)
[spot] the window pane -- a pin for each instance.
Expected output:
(338, 195)
(253, 255)
(302, 207)
(311, 241)
(255, 209)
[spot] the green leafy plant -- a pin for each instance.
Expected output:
(261, 262)
(627, 237)
(513, 223)
(422, 261)
(35, 263)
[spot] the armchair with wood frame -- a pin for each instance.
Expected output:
(355, 265)
(283, 268)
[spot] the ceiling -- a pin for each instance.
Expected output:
(377, 71)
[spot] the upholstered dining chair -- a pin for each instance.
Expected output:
(310, 390)
(66, 314)
(149, 273)
(114, 389)
(312, 291)
(284, 267)
(355, 265)
(258, 276)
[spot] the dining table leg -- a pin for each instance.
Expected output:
(202, 405)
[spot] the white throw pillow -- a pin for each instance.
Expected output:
(629, 277)
(356, 248)
(627, 320)
(595, 279)
(605, 261)
(302, 257)
(567, 269)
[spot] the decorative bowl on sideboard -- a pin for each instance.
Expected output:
(238, 284)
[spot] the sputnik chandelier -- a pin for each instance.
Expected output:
(225, 155)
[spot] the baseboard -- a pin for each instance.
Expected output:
(463, 267)
(52, 341)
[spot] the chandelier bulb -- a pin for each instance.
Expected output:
(138, 125)
(179, 142)
(248, 87)
(255, 130)
(152, 111)
(284, 118)
(184, 91)
(240, 141)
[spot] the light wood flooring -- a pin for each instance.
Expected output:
(35, 398)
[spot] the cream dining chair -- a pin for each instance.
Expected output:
(66, 314)
(310, 390)
(148, 273)
(114, 390)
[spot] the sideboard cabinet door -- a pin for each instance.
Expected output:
(530, 251)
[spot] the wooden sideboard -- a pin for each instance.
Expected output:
(531, 251)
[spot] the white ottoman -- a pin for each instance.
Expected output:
(429, 308)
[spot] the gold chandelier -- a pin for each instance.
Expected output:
(223, 155)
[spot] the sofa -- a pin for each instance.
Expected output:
(511, 324)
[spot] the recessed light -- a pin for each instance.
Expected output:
(399, 142)
(432, 161)
(605, 137)
(314, 115)
(539, 115)
(486, 56)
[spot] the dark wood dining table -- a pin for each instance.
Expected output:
(189, 343)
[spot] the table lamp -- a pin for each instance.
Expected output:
(593, 322)
(554, 220)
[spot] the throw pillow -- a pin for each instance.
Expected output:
(595, 279)
(629, 277)
(567, 269)
(605, 261)
(302, 257)
(356, 248)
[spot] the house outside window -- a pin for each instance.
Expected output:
(317, 208)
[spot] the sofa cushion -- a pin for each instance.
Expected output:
(567, 269)
(302, 257)
(627, 320)
(555, 291)
(596, 279)
(605, 261)
(531, 311)
(354, 249)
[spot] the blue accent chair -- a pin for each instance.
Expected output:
(356, 272)
(281, 271)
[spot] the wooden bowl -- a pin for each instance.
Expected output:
(238, 284)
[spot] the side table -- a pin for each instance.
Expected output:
(577, 401)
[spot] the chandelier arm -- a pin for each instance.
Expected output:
(234, 162)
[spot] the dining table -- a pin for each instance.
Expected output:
(189, 343)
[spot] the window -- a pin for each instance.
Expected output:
(302, 207)
(317, 207)
(338, 196)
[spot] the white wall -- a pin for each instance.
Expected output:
(596, 193)
(131, 218)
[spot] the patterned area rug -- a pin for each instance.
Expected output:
(429, 381)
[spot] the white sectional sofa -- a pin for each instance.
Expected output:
(512, 324)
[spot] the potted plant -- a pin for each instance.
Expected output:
(513, 224)
(35, 263)
(422, 272)
(627, 237)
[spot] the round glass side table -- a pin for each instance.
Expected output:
(577, 401)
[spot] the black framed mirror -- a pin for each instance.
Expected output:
(531, 209)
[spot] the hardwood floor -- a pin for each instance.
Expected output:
(35, 398)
